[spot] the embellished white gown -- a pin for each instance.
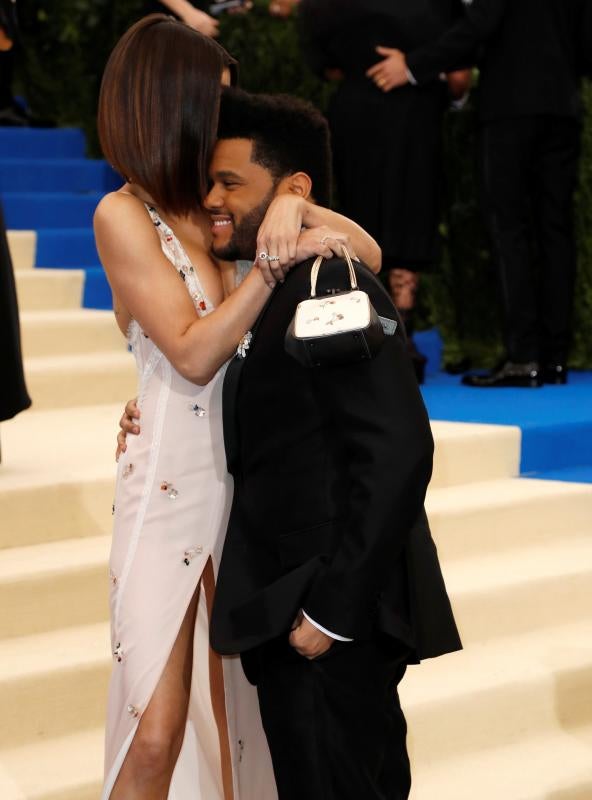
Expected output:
(171, 507)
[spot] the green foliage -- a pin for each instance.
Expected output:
(67, 43)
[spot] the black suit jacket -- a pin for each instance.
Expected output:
(331, 467)
(531, 54)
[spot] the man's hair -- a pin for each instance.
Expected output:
(288, 135)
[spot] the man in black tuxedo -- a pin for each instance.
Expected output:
(531, 55)
(329, 583)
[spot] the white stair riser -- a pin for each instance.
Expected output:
(23, 249)
(475, 459)
(54, 601)
(460, 532)
(52, 704)
(48, 289)
(93, 334)
(89, 791)
(534, 604)
(51, 388)
(517, 710)
(52, 513)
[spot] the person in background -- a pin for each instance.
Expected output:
(387, 145)
(14, 396)
(11, 113)
(532, 54)
(196, 14)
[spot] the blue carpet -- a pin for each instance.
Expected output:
(32, 210)
(56, 175)
(42, 143)
(97, 292)
(66, 248)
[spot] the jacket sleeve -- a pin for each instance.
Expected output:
(382, 433)
(459, 44)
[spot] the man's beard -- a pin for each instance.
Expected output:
(243, 242)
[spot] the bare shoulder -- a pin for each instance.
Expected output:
(117, 209)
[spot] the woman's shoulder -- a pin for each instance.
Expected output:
(120, 207)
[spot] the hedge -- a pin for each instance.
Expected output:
(66, 43)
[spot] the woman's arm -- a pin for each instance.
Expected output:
(289, 213)
(193, 17)
(150, 289)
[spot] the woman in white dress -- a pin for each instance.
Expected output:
(182, 724)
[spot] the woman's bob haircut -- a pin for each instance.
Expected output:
(158, 110)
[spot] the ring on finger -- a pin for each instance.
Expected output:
(273, 258)
(263, 256)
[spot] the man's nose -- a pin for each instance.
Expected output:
(213, 199)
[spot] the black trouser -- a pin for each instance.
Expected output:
(6, 71)
(529, 174)
(334, 725)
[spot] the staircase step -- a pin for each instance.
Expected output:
(65, 768)
(51, 586)
(506, 514)
(66, 248)
(470, 453)
(509, 690)
(26, 210)
(42, 143)
(23, 248)
(78, 380)
(501, 594)
(54, 333)
(58, 474)
(552, 767)
(56, 174)
(53, 684)
(49, 289)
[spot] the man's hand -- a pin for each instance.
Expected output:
(322, 241)
(128, 424)
(459, 83)
(391, 72)
(5, 42)
(307, 640)
(282, 8)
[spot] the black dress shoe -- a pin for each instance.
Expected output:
(12, 117)
(555, 374)
(526, 376)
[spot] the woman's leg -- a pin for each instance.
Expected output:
(148, 767)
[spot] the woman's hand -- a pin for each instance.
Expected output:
(278, 237)
(322, 241)
(201, 22)
(391, 72)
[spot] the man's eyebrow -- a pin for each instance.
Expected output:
(225, 174)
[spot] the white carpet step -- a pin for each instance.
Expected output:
(470, 453)
(53, 684)
(23, 248)
(505, 514)
(55, 333)
(80, 380)
(504, 594)
(49, 289)
(51, 586)
(65, 768)
(504, 691)
(553, 767)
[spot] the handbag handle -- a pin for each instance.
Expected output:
(317, 266)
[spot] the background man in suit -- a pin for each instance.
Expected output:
(531, 55)
(329, 582)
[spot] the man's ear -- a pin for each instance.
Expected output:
(299, 183)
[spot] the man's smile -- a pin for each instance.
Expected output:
(220, 222)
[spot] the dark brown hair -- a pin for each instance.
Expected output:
(158, 109)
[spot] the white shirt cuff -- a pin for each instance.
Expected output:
(411, 77)
(325, 631)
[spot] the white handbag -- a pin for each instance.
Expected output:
(339, 328)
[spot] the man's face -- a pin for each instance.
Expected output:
(237, 202)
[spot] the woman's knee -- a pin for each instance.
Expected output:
(156, 749)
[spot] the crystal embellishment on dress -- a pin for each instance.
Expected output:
(190, 554)
(127, 471)
(133, 711)
(167, 487)
(197, 410)
(241, 747)
(112, 578)
(244, 345)
(118, 653)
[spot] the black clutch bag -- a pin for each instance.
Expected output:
(339, 328)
